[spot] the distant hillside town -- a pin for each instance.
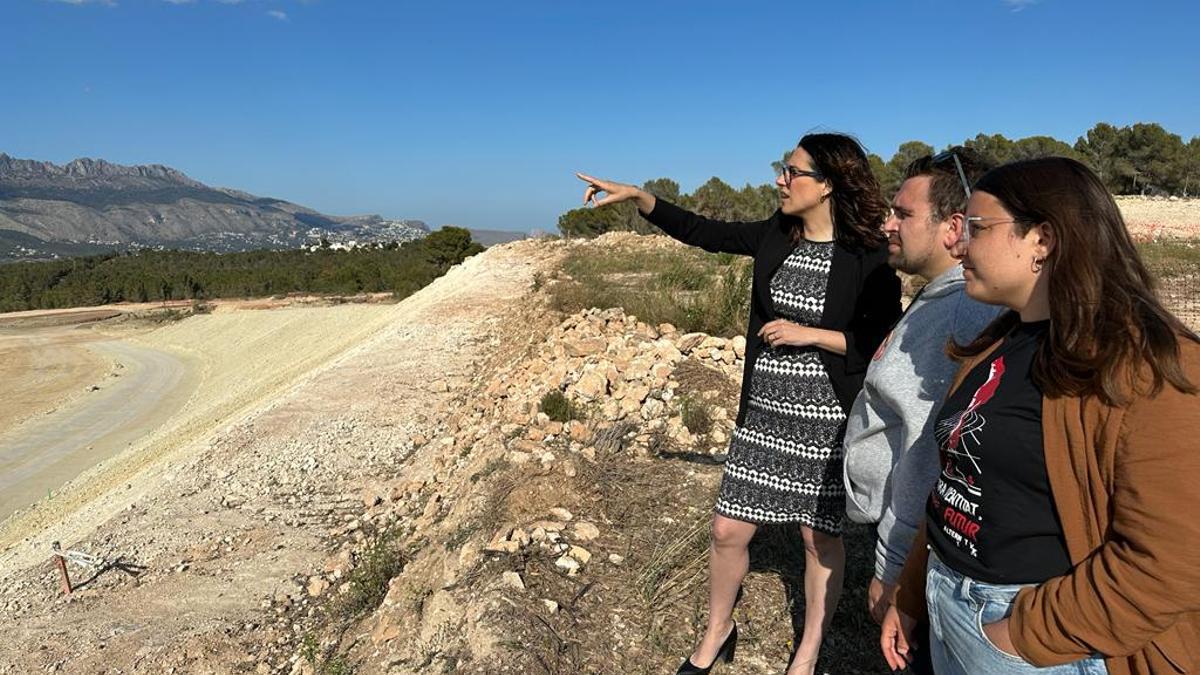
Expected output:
(90, 206)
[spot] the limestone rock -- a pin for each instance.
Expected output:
(568, 564)
(502, 543)
(512, 580)
(653, 408)
(587, 346)
(385, 630)
(585, 531)
(591, 385)
(577, 430)
(317, 585)
(739, 346)
(661, 371)
(580, 553)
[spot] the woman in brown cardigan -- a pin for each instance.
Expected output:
(1062, 535)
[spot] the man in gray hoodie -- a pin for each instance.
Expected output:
(891, 460)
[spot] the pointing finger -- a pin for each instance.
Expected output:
(591, 179)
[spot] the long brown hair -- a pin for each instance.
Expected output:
(1110, 335)
(858, 206)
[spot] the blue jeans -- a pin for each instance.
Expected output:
(959, 607)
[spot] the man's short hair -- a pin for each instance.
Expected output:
(946, 195)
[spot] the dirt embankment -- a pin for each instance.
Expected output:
(231, 500)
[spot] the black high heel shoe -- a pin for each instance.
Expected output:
(725, 652)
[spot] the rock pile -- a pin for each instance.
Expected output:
(616, 375)
(615, 368)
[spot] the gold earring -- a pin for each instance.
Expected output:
(1037, 265)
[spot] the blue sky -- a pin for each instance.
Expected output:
(477, 114)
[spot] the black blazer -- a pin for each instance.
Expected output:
(862, 299)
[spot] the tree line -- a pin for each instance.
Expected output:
(1142, 158)
(153, 276)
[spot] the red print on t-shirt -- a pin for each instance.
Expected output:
(983, 394)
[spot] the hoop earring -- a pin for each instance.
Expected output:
(1037, 265)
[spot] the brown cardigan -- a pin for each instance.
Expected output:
(1125, 482)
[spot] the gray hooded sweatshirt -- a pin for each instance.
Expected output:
(891, 456)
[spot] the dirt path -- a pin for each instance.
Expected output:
(43, 368)
(238, 504)
(147, 387)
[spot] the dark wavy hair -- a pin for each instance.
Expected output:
(859, 208)
(1110, 335)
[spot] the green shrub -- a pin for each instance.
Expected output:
(367, 583)
(688, 288)
(559, 408)
(680, 274)
(695, 414)
(1170, 258)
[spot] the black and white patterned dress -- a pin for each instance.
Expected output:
(785, 460)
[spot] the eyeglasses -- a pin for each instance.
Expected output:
(973, 225)
(962, 175)
(790, 173)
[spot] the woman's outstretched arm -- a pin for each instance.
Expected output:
(718, 236)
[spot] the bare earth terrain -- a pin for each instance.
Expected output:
(1152, 218)
(142, 389)
(235, 495)
(245, 511)
(50, 364)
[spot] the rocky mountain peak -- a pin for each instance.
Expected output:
(101, 204)
(87, 167)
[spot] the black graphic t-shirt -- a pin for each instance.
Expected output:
(991, 514)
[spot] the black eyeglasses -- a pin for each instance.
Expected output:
(962, 175)
(790, 173)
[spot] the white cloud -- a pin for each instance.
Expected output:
(180, 2)
(1018, 5)
(277, 14)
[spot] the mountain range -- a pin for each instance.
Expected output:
(90, 205)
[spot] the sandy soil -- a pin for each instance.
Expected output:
(239, 358)
(1157, 218)
(141, 390)
(234, 497)
(42, 369)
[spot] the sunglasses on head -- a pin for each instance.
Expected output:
(962, 175)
